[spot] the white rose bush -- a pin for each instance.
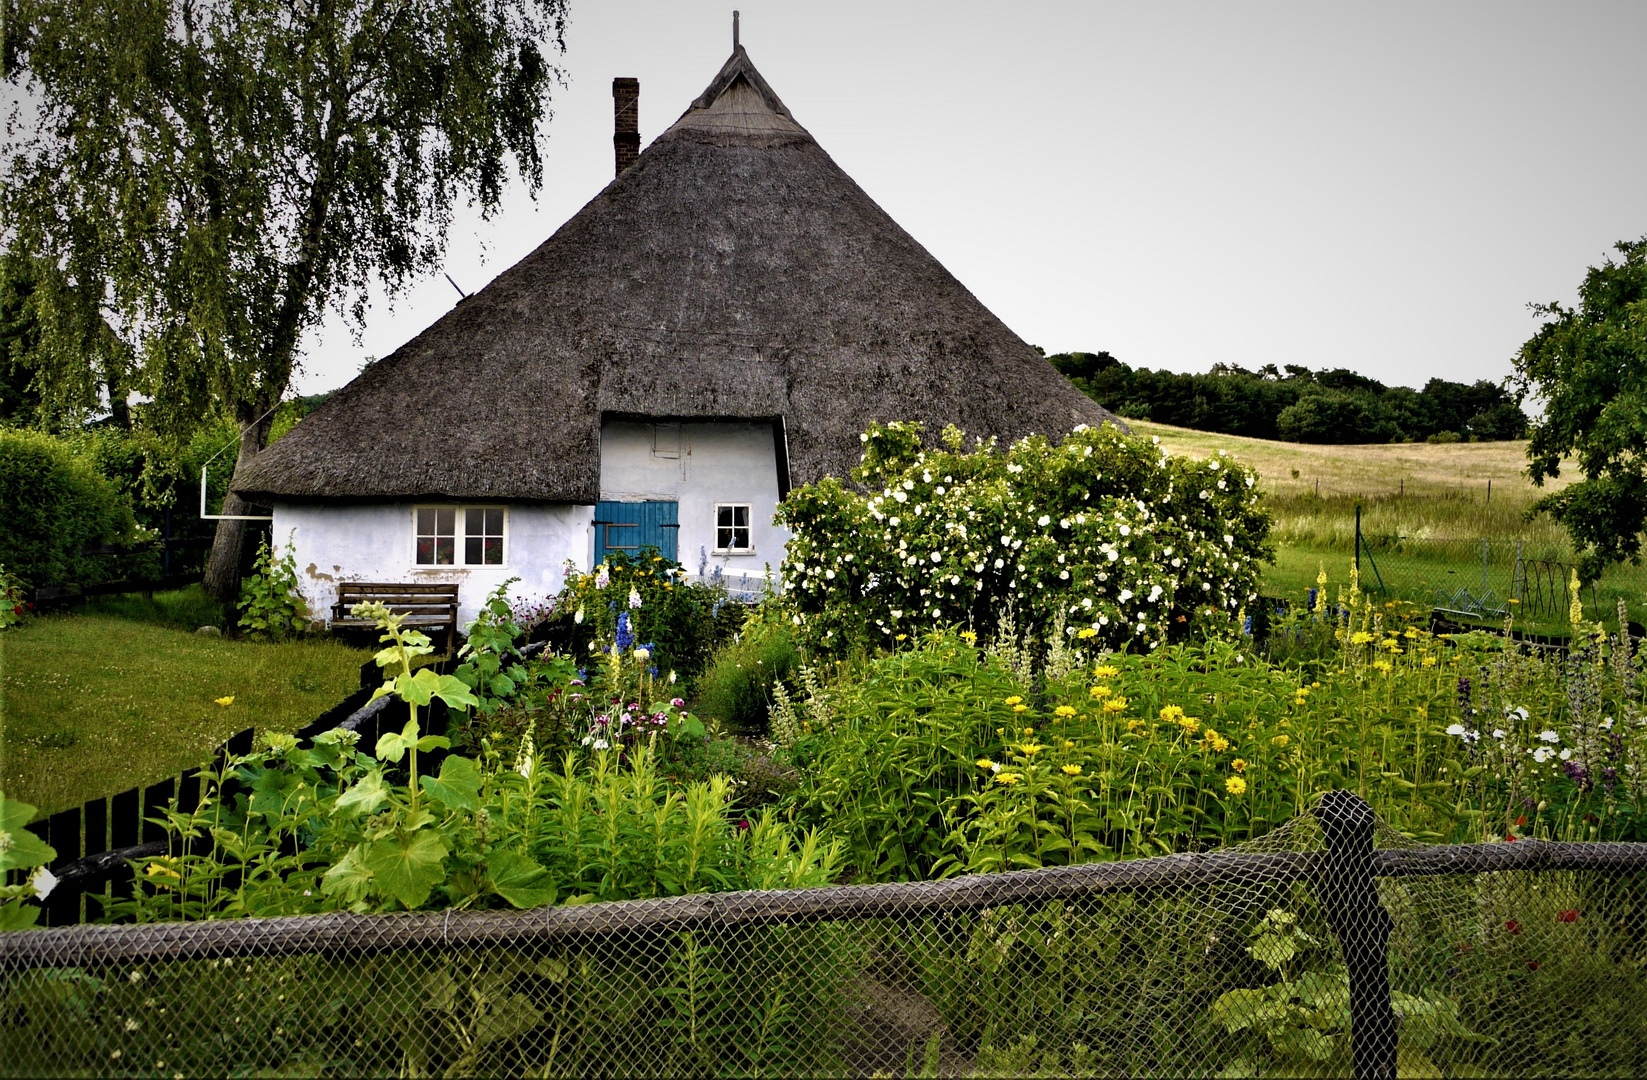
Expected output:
(1122, 543)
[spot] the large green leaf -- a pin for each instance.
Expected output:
(364, 796)
(392, 745)
(349, 879)
(519, 880)
(408, 867)
(458, 785)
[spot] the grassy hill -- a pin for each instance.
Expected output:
(1427, 507)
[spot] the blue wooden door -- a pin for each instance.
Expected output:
(630, 526)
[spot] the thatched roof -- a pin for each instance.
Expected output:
(734, 271)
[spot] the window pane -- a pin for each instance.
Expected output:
(740, 517)
(426, 522)
(471, 549)
(494, 523)
(474, 522)
(723, 517)
(443, 551)
(446, 523)
(494, 551)
(740, 538)
(425, 550)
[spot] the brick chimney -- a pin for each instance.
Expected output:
(625, 122)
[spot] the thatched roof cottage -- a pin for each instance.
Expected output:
(718, 324)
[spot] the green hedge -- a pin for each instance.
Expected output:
(56, 506)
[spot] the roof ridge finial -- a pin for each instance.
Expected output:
(734, 31)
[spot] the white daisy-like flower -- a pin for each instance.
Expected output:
(1549, 736)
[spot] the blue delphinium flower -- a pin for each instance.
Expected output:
(625, 637)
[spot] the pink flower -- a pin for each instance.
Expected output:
(1567, 916)
(677, 703)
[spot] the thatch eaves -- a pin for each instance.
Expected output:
(734, 271)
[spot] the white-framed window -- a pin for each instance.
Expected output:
(732, 528)
(446, 533)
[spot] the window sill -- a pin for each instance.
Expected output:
(731, 551)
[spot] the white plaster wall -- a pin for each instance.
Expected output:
(714, 463)
(376, 543)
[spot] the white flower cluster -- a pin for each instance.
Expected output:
(1096, 529)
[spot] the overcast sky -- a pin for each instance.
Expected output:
(1382, 187)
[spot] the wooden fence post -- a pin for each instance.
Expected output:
(1348, 894)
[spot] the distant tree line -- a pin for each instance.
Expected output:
(1296, 404)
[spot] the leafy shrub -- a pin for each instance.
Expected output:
(737, 687)
(57, 506)
(272, 607)
(1104, 534)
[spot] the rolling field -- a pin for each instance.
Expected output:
(1435, 497)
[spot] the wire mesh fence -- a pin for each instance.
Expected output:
(1330, 947)
(1485, 579)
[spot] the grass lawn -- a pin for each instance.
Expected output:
(91, 704)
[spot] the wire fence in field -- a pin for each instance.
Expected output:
(1331, 947)
(1484, 579)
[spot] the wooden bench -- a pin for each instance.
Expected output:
(426, 607)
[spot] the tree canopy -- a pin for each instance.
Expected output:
(1328, 406)
(206, 179)
(1588, 364)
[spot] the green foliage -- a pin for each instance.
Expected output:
(1104, 537)
(1294, 403)
(188, 608)
(737, 687)
(310, 153)
(272, 607)
(679, 621)
(57, 506)
(1589, 366)
(491, 649)
(20, 850)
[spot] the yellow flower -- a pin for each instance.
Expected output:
(226, 701)
(1020, 708)
(1218, 743)
(1072, 770)
(1000, 731)
(903, 637)
(969, 636)
(1029, 731)
(1100, 692)
(1014, 699)
(1064, 710)
(984, 763)
(1105, 671)
(1383, 665)
(1281, 740)
(1239, 764)
(1429, 661)
(1007, 778)
(1030, 749)
(1360, 637)
(1235, 785)
(1171, 712)
(1086, 633)
(1190, 724)
(1068, 745)
(1116, 704)
(1302, 691)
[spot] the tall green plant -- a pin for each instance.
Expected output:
(272, 607)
